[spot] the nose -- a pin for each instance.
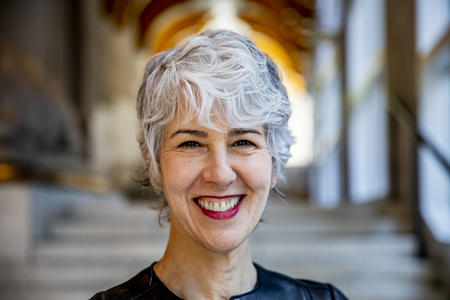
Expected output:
(218, 169)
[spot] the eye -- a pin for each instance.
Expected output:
(189, 144)
(243, 143)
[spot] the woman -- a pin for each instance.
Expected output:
(214, 138)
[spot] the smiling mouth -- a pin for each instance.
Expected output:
(219, 204)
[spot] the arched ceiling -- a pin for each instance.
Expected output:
(281, 28)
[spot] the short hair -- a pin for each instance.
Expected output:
(217, 75)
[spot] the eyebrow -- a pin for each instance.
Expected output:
(196, 133)
(242, 131)
(202, 134)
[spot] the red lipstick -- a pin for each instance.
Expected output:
(221, 215)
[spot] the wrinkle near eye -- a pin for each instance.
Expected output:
(244, 143)
(189, 144)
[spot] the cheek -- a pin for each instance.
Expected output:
(177, 175)
(258, 172)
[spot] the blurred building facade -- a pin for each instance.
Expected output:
(381, 87)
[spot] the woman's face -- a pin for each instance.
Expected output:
(216, 183)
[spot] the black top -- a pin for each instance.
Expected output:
(270, 285)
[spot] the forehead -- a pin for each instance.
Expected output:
(200, 111)
(218, 125)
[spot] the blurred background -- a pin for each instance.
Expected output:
(368, 186)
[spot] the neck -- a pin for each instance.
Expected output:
(192, 271)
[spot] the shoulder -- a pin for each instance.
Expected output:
(144, 285)
(129, 289)
(278, 284)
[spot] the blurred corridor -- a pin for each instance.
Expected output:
(368, 185)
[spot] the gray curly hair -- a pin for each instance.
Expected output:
(216, 75)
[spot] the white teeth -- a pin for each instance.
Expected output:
(219, 206)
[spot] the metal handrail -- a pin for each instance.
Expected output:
(405, 117)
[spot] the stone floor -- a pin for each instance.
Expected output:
(367, 251)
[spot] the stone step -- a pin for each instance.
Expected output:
(379, 243)
(118, 210)
(150, 216)
(325, 264)
(26, 293)
(389, 245)
(139, 228)
(263, 234)
(102, 279)
(122, 219)
(381, 284)
(373, 262)
(298, 268)
(321, 262)
(367, 251)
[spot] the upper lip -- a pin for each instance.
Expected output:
(219, 197)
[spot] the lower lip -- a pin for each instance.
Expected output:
(222, 215)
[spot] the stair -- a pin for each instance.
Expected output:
(367, 251)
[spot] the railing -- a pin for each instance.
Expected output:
(403, 115)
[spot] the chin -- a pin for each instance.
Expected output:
(224, 245)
